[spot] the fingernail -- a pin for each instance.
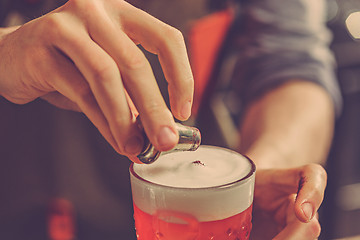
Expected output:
(186, 110)
(308, 210)
(166, 138)
(133, 145)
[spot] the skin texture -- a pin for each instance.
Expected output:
(286, 202)
(287, 132)
(84, 56)
(290, 125)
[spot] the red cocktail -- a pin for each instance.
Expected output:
(207, 201)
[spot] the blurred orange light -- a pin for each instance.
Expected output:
(353, 24)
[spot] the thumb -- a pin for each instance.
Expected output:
(311, 190)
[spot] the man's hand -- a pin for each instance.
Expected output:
(286, 203)
(84, 56)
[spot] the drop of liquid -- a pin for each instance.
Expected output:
(198, 162)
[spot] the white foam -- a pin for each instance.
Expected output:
(206, 167)
(189, 187)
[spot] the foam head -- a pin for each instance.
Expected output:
(211, 183)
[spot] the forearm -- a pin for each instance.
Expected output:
(289, 126)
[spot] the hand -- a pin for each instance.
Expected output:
(84, 56)
(286, 203)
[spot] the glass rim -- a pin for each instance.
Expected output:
(221, 186)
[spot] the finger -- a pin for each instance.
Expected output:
(139, 81)
(275, 184)
(132, 105)
(105, 85)
(168, 43)
(312, 186)
(67, 80)
(295, 229)
(58, 100)
(300, 231)
(308, 182)
(285, 179)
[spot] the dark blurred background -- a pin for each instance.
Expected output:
(341, 210)
(54, 163)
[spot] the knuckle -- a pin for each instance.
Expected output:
(157, 113)
(173, 34)
(122, 121)
(103, 72)
(189, 81)
(79, 3)
(317, 169)
(185, 87)
(76, 3)
(153, 107)
(92, 7)
(53, 26)
(135, 61)
(85, 94)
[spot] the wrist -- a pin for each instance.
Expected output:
(266, 154)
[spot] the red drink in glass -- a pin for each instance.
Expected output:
(207, 201)
(235, 227)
